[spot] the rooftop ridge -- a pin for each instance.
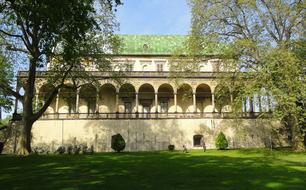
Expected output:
(151, 44)
(146, 44)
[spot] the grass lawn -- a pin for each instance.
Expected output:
(232, 169)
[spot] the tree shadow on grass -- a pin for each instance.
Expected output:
(148, 170)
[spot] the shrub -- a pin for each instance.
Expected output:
(221, 142)
(171, 147)
(69, 149)
(118, 143)
(1, 147)
(40, 150)
(76, 149)
(88, 151)
(61, 150)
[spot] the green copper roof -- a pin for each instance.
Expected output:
(161, 45)
(151, 44)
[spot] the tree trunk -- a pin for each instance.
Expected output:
(24, 140)
(297, 138)
(297, 143)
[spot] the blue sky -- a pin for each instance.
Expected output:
(154, 17)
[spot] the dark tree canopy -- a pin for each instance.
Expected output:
(60, 33)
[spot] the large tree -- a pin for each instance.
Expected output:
(63, 34)
(264, 54)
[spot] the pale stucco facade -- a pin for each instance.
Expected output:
(150, 134)
(148, 109)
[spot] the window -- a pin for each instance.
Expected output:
(197, 140)
(127, 107)
(160, 67)
(163, 107)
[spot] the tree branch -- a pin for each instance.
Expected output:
(273, 19)
(11, 92)
(10, 47)
(11, 35)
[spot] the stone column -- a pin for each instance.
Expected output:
(194, 102)
(77, 101)
(269, 103)
(259, 103)
(57, 100)
(156, 102)
(175, 102)
(244, 106)
(36, 101)
(97, 100)
(232, 98)
(137, 102)
(117, 102)
(16, 100)
(213, 101)
(251, 104)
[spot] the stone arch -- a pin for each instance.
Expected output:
(146, 96)
(203, 97)
(222, 98)
(127, 95)
(144, 67)
(107, 98)
(165, 94)
(184, 98)
(20, 89)
(44, 93)
(67, 100)
(88, 95)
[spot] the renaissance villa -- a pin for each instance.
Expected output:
(148, 109)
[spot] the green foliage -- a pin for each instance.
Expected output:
(5, 121)
(221, 142)
(5, 79)
(171, 147)
(118, 143)
(222, 97)
(265, 54)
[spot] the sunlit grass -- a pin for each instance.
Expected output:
(231, 169)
